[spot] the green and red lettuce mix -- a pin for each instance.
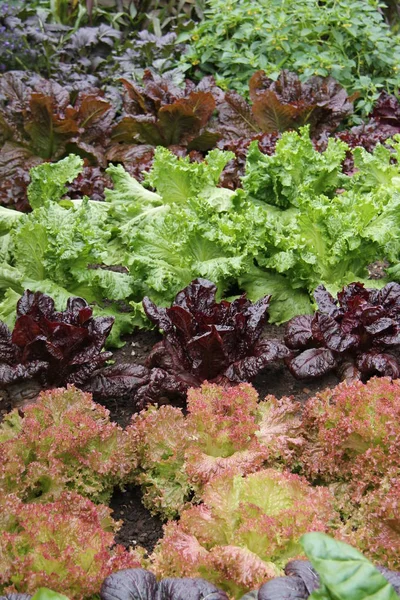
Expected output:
(63, 442)
(225, 430)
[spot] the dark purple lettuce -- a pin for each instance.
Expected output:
(288, 103)
(357, 334)
(220, 342)
(53, 347)
(138, 584)
(206, 340)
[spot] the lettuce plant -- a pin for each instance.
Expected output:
(207, 340)
(287, 103)
(351, 436)
(52, 347)
(40, 120)
(202, 340)
(66, 545)
(352, 433)
(245, 531)
(162, 114)
(138, 584)
(225, 429)
(357, 334)
(321, 226)
(374, 524)
(63, 442)
(160, 438)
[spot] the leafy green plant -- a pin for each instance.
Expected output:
(225, 430)
(343, 571)
(244, 532)
(348, 40)
(321, 226)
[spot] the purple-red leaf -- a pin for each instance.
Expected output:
(298, 332)
(61, 347)
(384, 365)
(312, 363)
(207, 340)
(118, 381)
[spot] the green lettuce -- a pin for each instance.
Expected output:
(320, 226)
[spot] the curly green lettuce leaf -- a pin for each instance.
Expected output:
(48, 180)
(295, 168)
(177, 179)
(287, 302)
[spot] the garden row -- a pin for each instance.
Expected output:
(226, 468)
(298, 222)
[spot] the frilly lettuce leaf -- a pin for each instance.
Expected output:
(48, 180)
(177, 179)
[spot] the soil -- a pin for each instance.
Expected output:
(139, 527)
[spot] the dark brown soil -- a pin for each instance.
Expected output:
(139, 527)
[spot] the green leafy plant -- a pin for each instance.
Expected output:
(225, 430)
(349, 41)
(244, 532)
(321, 226)
(343, 571)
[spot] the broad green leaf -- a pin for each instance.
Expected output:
(344, 572)
(46, 594)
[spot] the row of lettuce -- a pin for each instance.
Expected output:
(297, 223)
(247, 478)
(43, 120)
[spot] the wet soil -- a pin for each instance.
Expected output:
(139, 527)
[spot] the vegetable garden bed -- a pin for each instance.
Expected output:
(199, 300)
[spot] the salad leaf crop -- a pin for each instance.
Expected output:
(358, 334)
(321, 226)
(40, 120)
(138, 584)
(32, 532)
(350, 440)
(63, 442)
(203, 340)
(226, 429)
(287, 103)
(53, 347)
(245, 531)
(207, 340)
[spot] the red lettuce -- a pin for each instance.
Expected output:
(207, 340)
(41, 120)
(67, 545)
(357, 335)
(52, 347)
(202, 340)
(287, 103)
(161, 114)
(138, 584)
